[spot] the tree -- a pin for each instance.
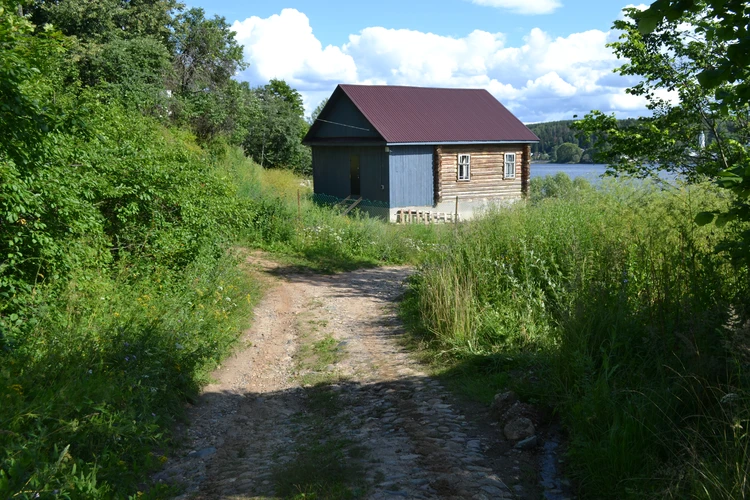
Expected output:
(206, 55)
(669, 60)
(133, 70)
(731, 26)
(568, 152)
(274, 137)
(728, 77)
(316, 112)
(279, 89)
(683, 52)
(105, 20)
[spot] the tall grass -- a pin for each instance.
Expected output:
(286, 221)
(625, 305)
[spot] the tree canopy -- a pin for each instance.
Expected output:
(568, 152)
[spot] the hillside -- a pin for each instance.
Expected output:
(553, 134)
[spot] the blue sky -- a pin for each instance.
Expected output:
(544, 59)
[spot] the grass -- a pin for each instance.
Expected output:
(302, 233)
(89, 399)
(608, 305)
(611, 306)
(325, 466)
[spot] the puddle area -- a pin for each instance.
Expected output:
(555, 487)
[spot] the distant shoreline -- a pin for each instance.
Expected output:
(546, 162)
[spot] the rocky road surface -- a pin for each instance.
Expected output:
(371, 423)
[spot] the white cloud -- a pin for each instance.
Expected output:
(543, 78)
(522, 6)
(283, 46)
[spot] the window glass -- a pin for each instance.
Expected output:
(510, 165)
(464, 167)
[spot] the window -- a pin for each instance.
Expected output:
(510, 165)
(464, 167)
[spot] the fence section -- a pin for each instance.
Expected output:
(414, 216)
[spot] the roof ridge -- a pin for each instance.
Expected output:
(410, 87)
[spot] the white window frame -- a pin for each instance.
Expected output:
(464, 176)
(510, 161)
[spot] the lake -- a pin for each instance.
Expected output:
(589, 171)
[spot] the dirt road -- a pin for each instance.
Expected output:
(321, 399)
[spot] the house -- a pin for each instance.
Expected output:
(419, 148)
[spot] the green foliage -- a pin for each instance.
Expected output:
(705, 67)
(281, 90)
(102, 374)
(557, 186)
(116, 293)
(625, 306)
(206, 53)
(551, 135)
(669, 59)
(105, 20)
(554, 134)
(731, 27)
(568, 152)
(274, 138)
(131, 70)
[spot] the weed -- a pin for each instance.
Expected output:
(324, 466)
(609, 304)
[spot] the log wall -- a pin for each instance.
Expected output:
(486, 174)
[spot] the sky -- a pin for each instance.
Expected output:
(543, 59)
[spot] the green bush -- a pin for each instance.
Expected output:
(104, 371)
(557, 186)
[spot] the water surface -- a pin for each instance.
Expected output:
(589, 171)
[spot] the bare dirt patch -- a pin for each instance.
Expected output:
(322, 400)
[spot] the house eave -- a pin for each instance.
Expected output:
(456, 143)
(323, 142)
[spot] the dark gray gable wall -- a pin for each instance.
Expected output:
(331, 171)
(411, 176)
(341, 119)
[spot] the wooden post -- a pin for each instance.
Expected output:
(525, 170)
(455, 216)
(299, 207)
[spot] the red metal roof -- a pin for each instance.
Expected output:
(420, 114)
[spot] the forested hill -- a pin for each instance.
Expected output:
(552, 135)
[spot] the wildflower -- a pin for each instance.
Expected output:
(127, 358)
(90, 372)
